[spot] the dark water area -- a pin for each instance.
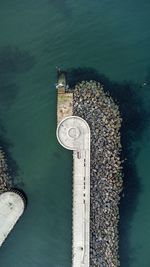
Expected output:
(12, 166)
(101, 40)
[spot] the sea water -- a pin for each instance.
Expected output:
(112, 37)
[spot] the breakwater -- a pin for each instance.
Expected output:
(12, 205)
(102, 114)
(4, 174)
(12, 200)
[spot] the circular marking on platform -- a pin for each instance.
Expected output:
(74, 132)
(71, 132)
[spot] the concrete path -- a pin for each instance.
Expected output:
(73, 133)
(11, 208)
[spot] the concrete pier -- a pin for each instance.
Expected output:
(64, 99)
(101, 185)
(73, 133)
(12, 206)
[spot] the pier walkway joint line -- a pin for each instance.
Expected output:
(73, 133)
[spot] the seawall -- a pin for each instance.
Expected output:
(4, 174)
(12, 205)
(12, 201)
(103, 117)
(90, 102)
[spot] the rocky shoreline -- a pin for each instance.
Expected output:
(102, 114)
(4, 173)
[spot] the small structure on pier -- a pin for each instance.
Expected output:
(12, 205)
(64, 98)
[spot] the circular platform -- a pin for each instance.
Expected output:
(72, 131)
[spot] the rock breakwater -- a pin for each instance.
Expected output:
(4, 173)
(102, 114)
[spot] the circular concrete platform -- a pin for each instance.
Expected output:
(72, 132)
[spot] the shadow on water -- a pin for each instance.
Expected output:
(8, 93)
(61, 6)
(13, 168)
(13, 61)
(135, 120)
(147, 78)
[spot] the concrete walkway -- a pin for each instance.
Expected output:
(11, 208)
(73, 133)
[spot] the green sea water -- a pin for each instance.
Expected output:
(112, 37)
